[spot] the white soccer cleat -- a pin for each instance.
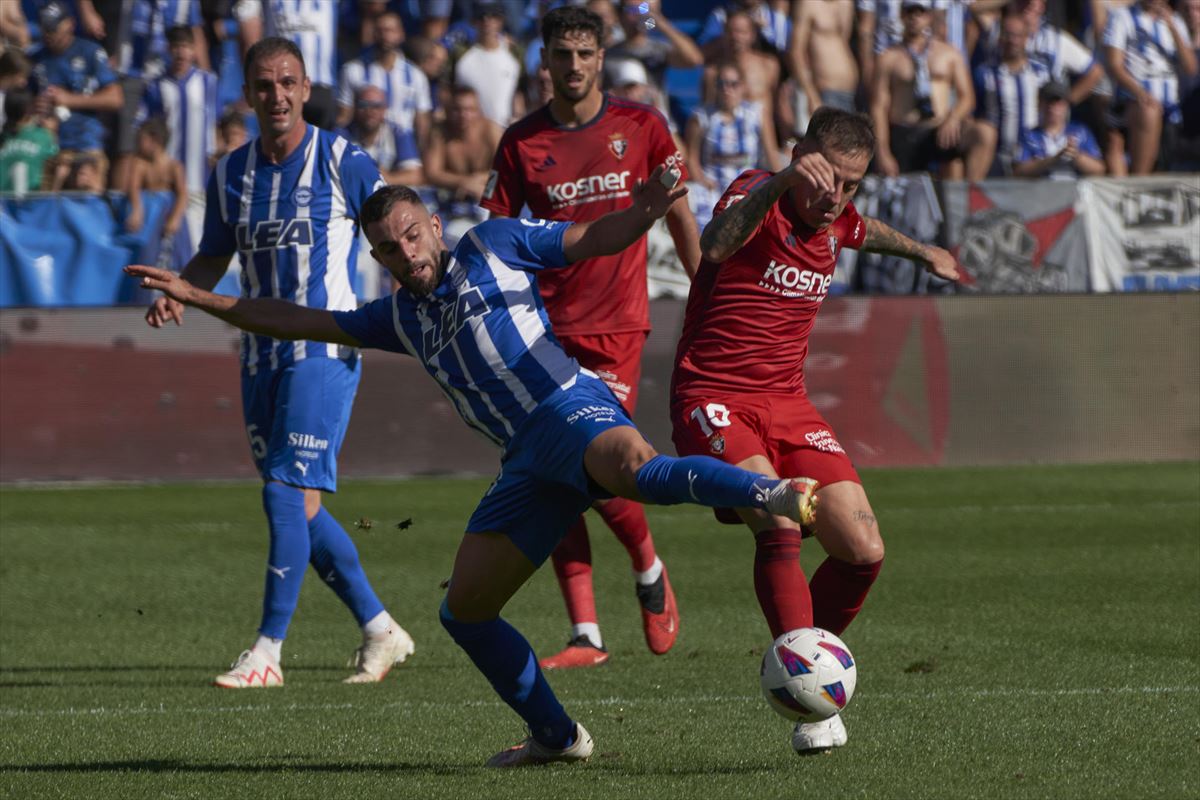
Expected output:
(252, 670)
(531, 754)
(794, 498)
(377, 654)
(818, 737)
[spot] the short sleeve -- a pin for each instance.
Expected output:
(742, 186)
(101, 69)
(662, 146)
(1076, 58)
(372, 325)
(528, 244)
(360, 178)
(423, 96)
(346, 85)
(218, 238)
(1118, 29)
(851, 228)
(505, 193)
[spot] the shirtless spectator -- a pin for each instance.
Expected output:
(153, 170)
(458, 160)
(921, 101)
(759, 71)
(820, 59)
(394, 148)
(668, 48)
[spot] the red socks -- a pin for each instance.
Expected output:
(838, 591)
(779, 582)
(628, 521)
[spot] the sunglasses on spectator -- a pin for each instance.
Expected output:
(371, 104)
(725, 83)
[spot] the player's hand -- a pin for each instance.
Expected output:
(653, 197)
(174, 288)
(812, 168)
(939, 262)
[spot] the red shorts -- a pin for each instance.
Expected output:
(615, 357)
(788, 430)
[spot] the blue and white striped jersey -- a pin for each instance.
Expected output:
(729, 147)
(294, 226)
(143, 51)
(405, 85)
(1009, 101)
(1059, 52)
(394, 148)
(189, 106)
(1150, 54)
(483, 333)
(310, 24)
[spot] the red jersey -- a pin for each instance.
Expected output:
(748, 317)
(581, 174)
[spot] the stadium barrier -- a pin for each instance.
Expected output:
(904, 381)
(1099, 235)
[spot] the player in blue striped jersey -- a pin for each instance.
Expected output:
(287, 203)
(475, 319)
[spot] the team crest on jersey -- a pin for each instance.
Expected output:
(302, 196)
(716, 443)
(618, 144)
(833, 244)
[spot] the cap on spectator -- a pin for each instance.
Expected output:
(489, 9)
(925, 4)
(1054, 90)
(628, 72)
(51, 14)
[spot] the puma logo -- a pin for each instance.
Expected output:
(280, 571)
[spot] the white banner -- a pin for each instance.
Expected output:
(1143, 233)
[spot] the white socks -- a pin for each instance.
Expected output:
(590, 630)
(651, 575)
(378, 624)
(272, 648)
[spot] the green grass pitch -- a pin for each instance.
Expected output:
(1035, 633)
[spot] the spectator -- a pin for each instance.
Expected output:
(724, 139)
(312, 26)
(1057, 147)
(1187, 157)
(14, 74)
(394, 148)
(405, 87)
(231, 134)
(775, 28)
(459, 160)
(1060, 53)
(952, 25)
(26, 144)
(75, 82)
(81, 172)
(1145, 47)
(541, 87)
(879, 28)
(186, 98)
(155, 171)
(820, 59)
(491, 69)
(432, 58)
(614, 34)
(669, 47)
(921, 101)
(14, 30)
(1006, 92)
(759, 72)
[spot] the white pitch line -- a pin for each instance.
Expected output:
(706, 699)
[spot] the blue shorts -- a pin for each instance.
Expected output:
(296, 419)
(542, 486)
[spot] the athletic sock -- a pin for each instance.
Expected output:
(505, 658)
(336, 560)
(702, 480)
(379, 624)
(627, 519)
(572, 561)
(648, 577)
(589, 629)
(839, 589)
(779, 582)
(287, 559)
(269, 647)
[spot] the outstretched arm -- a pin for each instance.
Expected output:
(268, 316)
(617, 230)
(882, 238)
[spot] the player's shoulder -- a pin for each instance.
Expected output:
(527, 126)
(641, 113)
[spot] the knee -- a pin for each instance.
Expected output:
(459, 626)
(279, 497)
(869, 551)
(636, 456)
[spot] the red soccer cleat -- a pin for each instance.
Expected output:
(579, 652)
(660, 615)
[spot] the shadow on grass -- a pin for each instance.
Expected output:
(154, 765)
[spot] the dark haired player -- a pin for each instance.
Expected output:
(577, 158)
(769, 255)
(287, 203)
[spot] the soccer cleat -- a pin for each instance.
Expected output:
(378, 654)
(531, 754)
(660, 615)
(252, 670)
(794, 498)
(579, 652)
(818, 737)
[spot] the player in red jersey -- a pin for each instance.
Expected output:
(577, 158)
(738, 389)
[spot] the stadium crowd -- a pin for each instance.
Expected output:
(104, 94)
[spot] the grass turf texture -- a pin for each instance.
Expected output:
(1034, 633)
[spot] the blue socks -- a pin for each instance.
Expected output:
(505, 658)
(335, 559)
(288, 557)
(702, 480)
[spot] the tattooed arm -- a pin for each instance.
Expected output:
(881, 238)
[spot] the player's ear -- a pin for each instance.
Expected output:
(436, 221)
(307, 88)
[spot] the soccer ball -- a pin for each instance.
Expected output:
(808, 675)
